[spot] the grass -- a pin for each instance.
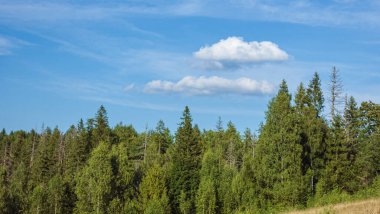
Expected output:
(369, 206)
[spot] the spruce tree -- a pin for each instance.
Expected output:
(315, 94)
(4, 192)
(153, 196)
(312, 131)
(102, 130)
(278, 159)
(94, 181)
(184, 175)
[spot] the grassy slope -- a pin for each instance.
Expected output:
(370, 206)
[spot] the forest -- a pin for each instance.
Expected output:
(310, 149)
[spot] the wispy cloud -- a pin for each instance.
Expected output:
(5, 46)
(8, 44)
(336, 13)
(202, 85)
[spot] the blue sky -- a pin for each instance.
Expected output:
(146, 60)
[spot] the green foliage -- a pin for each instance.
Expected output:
(153, 196)
(4, 193)
(101, 127)
(94, 181)
(278, 155)
(206, 197)
(315, 94)
(184, 175)
(298, 160)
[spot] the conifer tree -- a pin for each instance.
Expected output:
(210, 174)
(38, 199)
(184, 176)
(153, 192)
(339, 173)
(206, 197)
(368, 158)
(102, 130)
(4, 192)
(351, 119)
(163, 138)
(315, 94)
(43, 166)
(18, 186)
(278, 158)
(312, 131)
(94, 181)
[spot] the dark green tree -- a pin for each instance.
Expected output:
(184, 175)
(102, 129)
(315, 94)
(278, 157)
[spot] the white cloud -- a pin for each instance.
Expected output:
(235, 49)
(210, 85)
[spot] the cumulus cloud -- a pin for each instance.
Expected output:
(236, 50)
(210, 85)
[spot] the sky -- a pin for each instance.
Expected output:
(146, 60)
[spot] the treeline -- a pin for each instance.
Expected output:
(298, 156)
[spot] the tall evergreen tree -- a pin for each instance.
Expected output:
(102, 129)
(315, 94)
(368, 158)
(351, 120)
(153, 192)
(94, 181)
(339, 173)
(312, 131)
(278, 154)
(184, 176)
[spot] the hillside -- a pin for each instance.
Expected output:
(370, 206)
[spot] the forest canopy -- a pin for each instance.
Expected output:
(298, 156)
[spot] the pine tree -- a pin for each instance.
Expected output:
(278, 154)
(102, 130)
(338, 170)
(368, 158)
(351, 119)
(315, 94)
(153, 196)
(206, 197)
(125, 182)
(184, 176)
(4, 192)
(38, 199)
(312, 131)
(210, 174)
(43, 167)
(163, 137)
(19, 189)
(233, 146)
(56, 195)
(94, 181)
